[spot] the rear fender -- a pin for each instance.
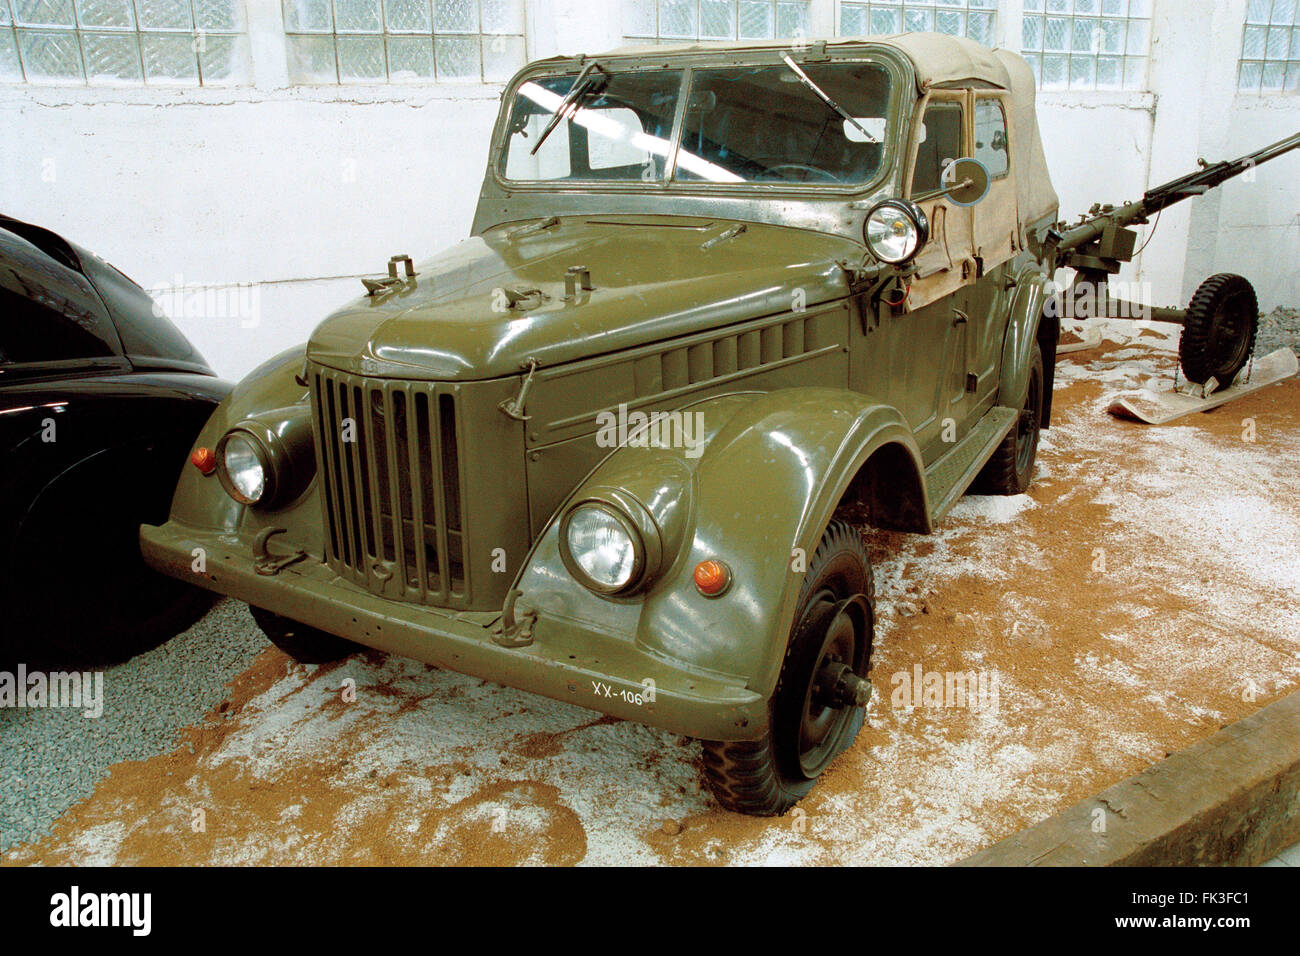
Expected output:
(1032, 319)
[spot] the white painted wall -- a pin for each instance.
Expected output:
(299, 190)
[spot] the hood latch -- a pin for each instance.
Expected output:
(391, 281)
(514, 407)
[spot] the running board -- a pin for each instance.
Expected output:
(948, 477)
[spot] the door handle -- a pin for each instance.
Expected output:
(959, 318)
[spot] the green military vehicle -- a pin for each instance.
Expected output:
(718, 305)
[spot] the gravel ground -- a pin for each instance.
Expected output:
(53, 758)
(1280, 327)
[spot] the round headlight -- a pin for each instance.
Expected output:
(243, 469)
(602, 548)
(896, 230)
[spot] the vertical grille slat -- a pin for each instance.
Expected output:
(451, 540)
(373, 499)
(348, 438)
(392, 495)
(334, 436)
(394, 484)
(402, 466)
(323, 428)
(359, 454)
(439, 502)
(420, 448)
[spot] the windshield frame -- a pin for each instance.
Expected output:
(688, 62)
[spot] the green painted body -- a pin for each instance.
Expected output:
(810, 392)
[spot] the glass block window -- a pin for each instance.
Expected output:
(1270, 46)
(124, 42)
(404, 41)
(671, 21)
(1088, 44)
(960, 18)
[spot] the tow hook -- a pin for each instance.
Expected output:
(512, 630)
(267, 563)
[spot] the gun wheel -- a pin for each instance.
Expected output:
(818, 706)
(1219, 331)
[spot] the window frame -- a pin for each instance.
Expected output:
(1288, 62)
(669, 186)
(810, 8)
(961, 97)
(383, 34)
(1041, 13)
(138, 31)
(994, 11)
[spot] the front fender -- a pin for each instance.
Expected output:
(771, 471)
(199, 500)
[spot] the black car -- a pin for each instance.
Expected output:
(100, 401)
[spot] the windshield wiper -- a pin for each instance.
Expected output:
(803, 78)
(586, 80)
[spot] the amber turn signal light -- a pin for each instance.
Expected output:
(712, 577)
(204, 459)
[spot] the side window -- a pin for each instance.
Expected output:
(991, 136)
(41, 316)
(940, 145)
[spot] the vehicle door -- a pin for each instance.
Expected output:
(995, 242)
(936, 318)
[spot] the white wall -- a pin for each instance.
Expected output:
(299, 190)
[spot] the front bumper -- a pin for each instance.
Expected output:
(564, 662)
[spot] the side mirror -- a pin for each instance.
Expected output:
(966, 181)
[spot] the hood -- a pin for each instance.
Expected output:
(653, 278)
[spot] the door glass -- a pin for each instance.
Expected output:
(940, 145)
(991, 137)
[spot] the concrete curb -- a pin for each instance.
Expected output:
(1231, 800)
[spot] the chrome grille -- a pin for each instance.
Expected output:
(388, 457)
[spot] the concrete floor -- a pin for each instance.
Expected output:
(1288, 857)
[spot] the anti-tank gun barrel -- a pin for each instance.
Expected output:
(1103, 239)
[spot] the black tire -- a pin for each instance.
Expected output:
(1011, 469)
(1219, 331)
(100, 628)
(78, 593)
(305, 644)
(833, 621)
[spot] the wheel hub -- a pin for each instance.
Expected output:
(834, 689)
(838, 687)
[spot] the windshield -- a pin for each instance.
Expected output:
(619, 130)
(761, 124)
(743, 124)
